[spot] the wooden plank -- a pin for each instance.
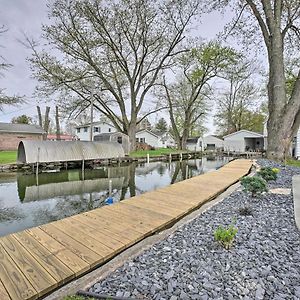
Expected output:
(39, 278)
(88, 255)
(120, 219)
(101, 226)
(16, 284)
(59, 271)
(109, 242)
(74, 262)
(3, 293)
(116, 228)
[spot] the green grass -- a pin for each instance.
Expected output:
(293, 162)
(8, 157)
(154, 153)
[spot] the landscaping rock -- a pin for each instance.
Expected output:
(264, 262)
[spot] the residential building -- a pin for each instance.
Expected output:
(244, 140)
(62, 137)
(12, 134)
(83, 131)
(148, 137)
(194, 144)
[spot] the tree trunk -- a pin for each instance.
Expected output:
(40, 116)
(47, 122)
(57, 124)
(132, 133)
(282, 112)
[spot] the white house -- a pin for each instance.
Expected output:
(244, 140)
(148, 137)
(166, 140)
(83, 131)
(297, 146)
(194, 144)
(211, 142)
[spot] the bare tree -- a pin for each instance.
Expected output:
(187, 97)
(114, 51)
(278, 22)
(57, 123)
(237, 106)
(44, 124)
(4, 98)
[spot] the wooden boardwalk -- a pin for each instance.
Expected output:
(35, 261)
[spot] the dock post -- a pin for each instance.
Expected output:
(180, 156)
(187, 172)
(37, 162)
(109, 188)
(148, 158)
(82, 169)
(170, 158)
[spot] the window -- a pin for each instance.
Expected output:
(137, 140)
(96, 129)
(85, 129)
(78, 130)
(109, 129)
(119, 139)
(142, 140)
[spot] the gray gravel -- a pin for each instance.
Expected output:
(264, 262)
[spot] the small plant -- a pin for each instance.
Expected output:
(225, 236)
(268, 173)
(245, 211)
(254, 185)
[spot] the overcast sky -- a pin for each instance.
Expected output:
(27, 16)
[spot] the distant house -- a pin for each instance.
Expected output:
(12, 134)
(212, 142)
(83, 131)
(116, 137)
(297, 145)
(63, 137)
(244, 140)
(194, 144)
(148, 137)
(165, 140)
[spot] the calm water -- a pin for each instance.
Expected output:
(28, 201)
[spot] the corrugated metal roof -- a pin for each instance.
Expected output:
(55, 151)
(21, 128)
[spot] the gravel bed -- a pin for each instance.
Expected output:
(264, 262)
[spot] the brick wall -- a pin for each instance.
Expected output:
(10, 141)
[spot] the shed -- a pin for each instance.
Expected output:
(194, 144)
(244, 140)
(116, 137)
(211, 142)
(60, 151)
(11, 134)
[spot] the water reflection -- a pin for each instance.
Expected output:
(27, 201)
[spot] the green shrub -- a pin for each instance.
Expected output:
(225, 236)
(245, 211)
(268, 173)
(254, 185)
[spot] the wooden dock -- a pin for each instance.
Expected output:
(36, 261)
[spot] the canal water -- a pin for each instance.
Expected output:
(27, 201)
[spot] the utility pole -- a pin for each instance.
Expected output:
(92, 117)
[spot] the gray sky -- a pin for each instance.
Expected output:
(27, 16)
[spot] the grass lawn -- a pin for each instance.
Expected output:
(293, 162)
(8, 157)
(153, 153)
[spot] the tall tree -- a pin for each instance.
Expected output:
(23, 119)
(278, 22)
(46, 123)
(161, 126)
(4, 66)
(238, 103)
(186, 97)
(114, 51)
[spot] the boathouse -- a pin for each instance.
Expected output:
(61, 151)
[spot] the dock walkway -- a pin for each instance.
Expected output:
(36, 261)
